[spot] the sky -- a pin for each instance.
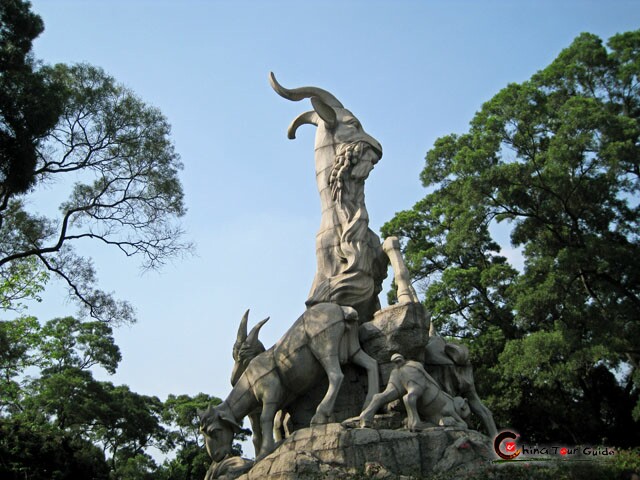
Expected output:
(411, 71)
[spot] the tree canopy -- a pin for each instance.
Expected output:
(101, 142)
(557, 159)
(58, 421)
(75, 127)
(30, 101)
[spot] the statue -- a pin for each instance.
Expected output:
(245, 349)
(287, 381)
(450, 366)
(351, 264)
(323, 338)
(422, 397)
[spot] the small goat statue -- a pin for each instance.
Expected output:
(422, 396)
(449, 364)
(245, 349)
(323, 338)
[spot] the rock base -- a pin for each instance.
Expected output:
(334, 451)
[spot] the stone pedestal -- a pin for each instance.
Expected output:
(334, 451)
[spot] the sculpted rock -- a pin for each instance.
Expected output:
(228, 469)
(335, 452)
(400, 328)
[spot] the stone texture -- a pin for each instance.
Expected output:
(351, 264)
(401, 328)
(333, 451)
(324, 337)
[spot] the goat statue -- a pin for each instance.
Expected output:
(449, 364)
(422, 396)
(351, 264)
(245, 349)
(323, 338)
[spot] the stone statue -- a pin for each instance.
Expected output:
(323, 338)
(245, 349)
(449, 364)
(422, 396)
(351, 264)
(406, 293)
(343, 328)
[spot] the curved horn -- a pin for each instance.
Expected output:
(297, 94)
(242, 334)
(252, 339)
(305, 118)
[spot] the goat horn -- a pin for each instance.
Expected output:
(297, 94)
(252, 339)
(305, 118)
(242, 334)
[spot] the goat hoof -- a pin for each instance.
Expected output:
(319, 419)
(365, 423)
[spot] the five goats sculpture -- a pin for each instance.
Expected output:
(351, 265)
(323, 338)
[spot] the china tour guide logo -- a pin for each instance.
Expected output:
(510, 447)
(506, 448)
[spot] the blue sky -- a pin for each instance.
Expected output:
(410, 70)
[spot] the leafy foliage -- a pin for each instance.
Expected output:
(67, 124)
(30, 101)
(58, 421)
(128, 196)
(557, 158)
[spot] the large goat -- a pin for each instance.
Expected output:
(323, 338)
(351, 264)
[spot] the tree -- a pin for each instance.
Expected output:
(191, 460)
(30, 103)
(30, 447)
(57, 420)
(117, 149)
(558, 159)
(60, 403)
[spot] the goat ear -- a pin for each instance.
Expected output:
(228, 419)
(459, 354)
(326, 113)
